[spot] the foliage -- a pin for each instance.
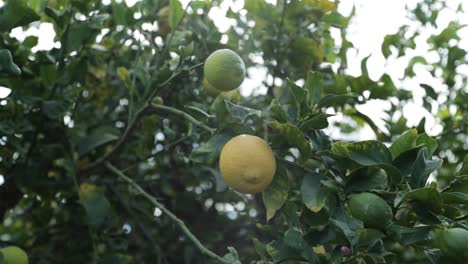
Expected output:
(110, 144)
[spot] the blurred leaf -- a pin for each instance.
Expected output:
(98, 208)
(54, 109)
(428, 142)
(348, 225)
(409, 235)
(336, 100)
(176, 13)
(455, 198)
(276, 194)
(6, 63)
(314, 84)
(336, 19)
(16, 13)
(98, 137)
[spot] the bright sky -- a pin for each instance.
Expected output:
(373, 20)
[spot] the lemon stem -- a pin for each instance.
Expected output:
(173, 217)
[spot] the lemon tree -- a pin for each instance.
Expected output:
(14, 255)
(247, 164)
(224, 70)
(127, 140)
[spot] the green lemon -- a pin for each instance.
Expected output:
(224, 70)
(14, 255)
(453, 243)
(372, 210)
(210, 90)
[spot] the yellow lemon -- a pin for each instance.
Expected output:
(87, 190)
(247, 164)
(14, 255)
(224, 70)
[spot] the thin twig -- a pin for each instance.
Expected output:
(157, 107)
(173, 217)
(131, 126)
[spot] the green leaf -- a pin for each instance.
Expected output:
(428, 197)
(98, 208)
(314, 84)
(433, 255)
(6, 63)
(54, 109)
(366, 179)
(232, 257)
(260, 249)
(312, 193)
(315, 237)
(276, 194)
(241, 112)
(98, 137)
(315, 122)
(335, 19)
(348, 225)
(364, 66)
(404, 143)
(336, 100)
(455, 198)
(293, 136)
(209, 151)
(409, 235)
(299, 95)
(428, 142)
(278, 112)
(377, 249)
(176, 13)
(197, 113)
(15, 14)
(422, 168)
(367, 153)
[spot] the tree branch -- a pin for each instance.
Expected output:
(134, 121)
(156, 107)
(173, 217)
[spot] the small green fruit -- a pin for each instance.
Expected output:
(453, 243)
(224, 69)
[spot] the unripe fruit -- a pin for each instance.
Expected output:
(14, 255)
(372, 210)
(224, 70)
(247, 164)
(453, 243)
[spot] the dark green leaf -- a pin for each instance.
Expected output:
(455, 198)
(209, 151)
(367, 153)
(98, 208)
(276, 194)
(278, 112)
(422, 168)
(6, 63)
(410, 235)
(293, 136)
(97, 138)
(336, 100)
(241, 112)
(366, 179)
(314, 84)
(15, 14)
(316, 122)
(54, 109)
(313, 194)
(404, 143)
(428, 197)
(428, 142)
